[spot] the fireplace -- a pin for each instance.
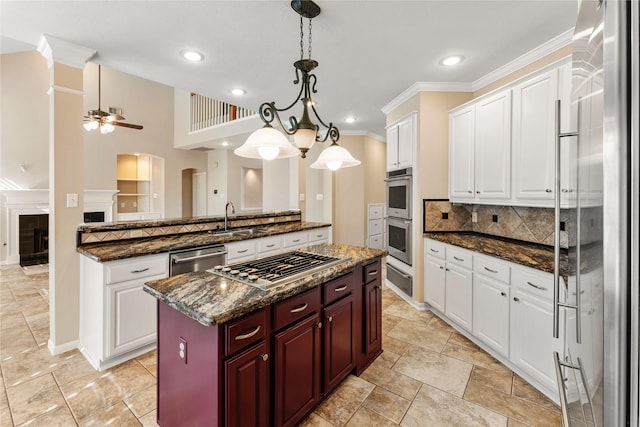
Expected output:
(33, 239)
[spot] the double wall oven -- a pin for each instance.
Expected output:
(398, 221)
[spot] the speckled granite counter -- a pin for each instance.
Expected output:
(528, 254)
(211, 299)
(121, 249)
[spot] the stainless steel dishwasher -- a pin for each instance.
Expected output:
(196, 259)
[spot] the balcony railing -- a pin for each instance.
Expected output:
(207, 112)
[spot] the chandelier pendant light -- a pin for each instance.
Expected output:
(270, 143)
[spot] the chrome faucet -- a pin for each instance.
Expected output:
(226, 214)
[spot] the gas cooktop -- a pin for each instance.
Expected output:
(270, 271)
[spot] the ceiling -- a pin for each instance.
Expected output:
(369, 51)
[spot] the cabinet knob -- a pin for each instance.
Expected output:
(447, 269)
(469, 191)
(441, 268)
(330, 319)
(319, 325)
(548, 190)
(477, 192)
(264, 357)
(516, 299)
(378, 287)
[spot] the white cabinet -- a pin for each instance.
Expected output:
(461, 154)
(375, 225)
(534, 122)
(240, 251)
(318, 235)
(434, 279)
(295, 240)
(401, 139)
(480, 150)
(493, 147)
(117, 318)
(267, 246)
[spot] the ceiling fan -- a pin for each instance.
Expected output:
(105, 121)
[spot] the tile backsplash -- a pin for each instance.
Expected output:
(515, 222)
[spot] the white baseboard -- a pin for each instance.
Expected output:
(62, 348)
(417, 305)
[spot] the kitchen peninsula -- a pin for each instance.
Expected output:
(231, 353)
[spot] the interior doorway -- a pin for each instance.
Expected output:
(199, 194)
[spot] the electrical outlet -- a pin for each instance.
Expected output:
(494, 218)
(72, 200)
(135, 205)
(319, 197)
(302, 197)
(122, 204)
(182, 349)
(474, 216)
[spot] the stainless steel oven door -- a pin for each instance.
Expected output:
(399, 239)
(399, 197)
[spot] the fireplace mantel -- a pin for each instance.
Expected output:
(36, 201)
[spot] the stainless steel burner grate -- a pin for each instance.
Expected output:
(272, 270)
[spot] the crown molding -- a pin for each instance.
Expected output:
(60, 51)
(550, 46)
(418, 87)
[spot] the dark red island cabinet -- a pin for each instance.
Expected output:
(271, 366)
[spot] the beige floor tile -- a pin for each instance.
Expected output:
(5, 416)
(380, 374)
(432, 368)
(26, 293)
(33, 398)
(6, 295)
(437, 322)
(458, 339)
(340, 406)
(59, 417)
(16, 341)
(87, 395)
(116, 415)
(388, 322)
(526, 391)
(74, 368)
(149, 420)
(387, 404)
(476, 356)
(419, 334)
(315, 420)
(500, 381)
(393, 345)
(512, 407)
(404, 310)
(366, 417)
(388, 357)
(149, 361)
(142, 402)
(26, 365)
(12, 320)
(433, 407)
(516, 423)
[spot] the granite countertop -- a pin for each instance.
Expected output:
(211, 299)
(528, 254)
(111, 251)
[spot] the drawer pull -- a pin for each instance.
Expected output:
(299, 309)
(264, 357)
(249, 335)
(340, 289)
(441, 268)
(516, 299)
(295, 240)
(142, 270)
(542, 288)
(242, 251)
(318, 235)
(458, 259)
(491, 270)
(434, 251)
(373, 273)
(271, 245)
(504, 294)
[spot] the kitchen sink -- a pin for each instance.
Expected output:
(243, 232)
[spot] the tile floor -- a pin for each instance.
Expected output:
(428, 375)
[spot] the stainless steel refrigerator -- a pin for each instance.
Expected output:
(596, 305)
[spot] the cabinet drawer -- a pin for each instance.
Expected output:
(491, 268)
(459, 257)
(269, 244)
(376, 212)
(534, 282)
(436, 249)
(247, 330)
(318, 234)
(338, 288)
(375, 226)
(295, 240)
(372, 272)
(136, 268)
(376, 242)
(240, 250)
(295, 308)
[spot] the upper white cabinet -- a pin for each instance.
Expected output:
(401, 139)
(534, 138)
(480, 151)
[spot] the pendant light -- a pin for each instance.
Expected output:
(270, 143)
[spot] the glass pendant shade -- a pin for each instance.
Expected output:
(89, 126)
(304, 138)
(268, 144)
(334, 158)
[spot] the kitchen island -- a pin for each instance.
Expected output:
(231, 353)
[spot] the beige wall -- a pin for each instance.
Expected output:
(374, 162)
(410, 105)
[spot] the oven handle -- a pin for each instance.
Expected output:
(398, 178)
(393, 218)
(192, 258)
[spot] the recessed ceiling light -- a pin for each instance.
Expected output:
(238, 91)
(192, 55)
(224, 143)
(451, 60)
(350, 119)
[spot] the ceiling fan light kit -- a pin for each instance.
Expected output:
(101, 119)
(269, 143)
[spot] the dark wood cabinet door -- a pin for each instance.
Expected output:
(247, 388)
(372, 318)
(297, 365)
(338, 342)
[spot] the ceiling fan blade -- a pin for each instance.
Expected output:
(126, 125)
(114, 117)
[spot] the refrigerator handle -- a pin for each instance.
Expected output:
(561, 390)
(556, 234)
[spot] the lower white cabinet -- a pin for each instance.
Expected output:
(491, 313)
(117, 318)
(458, 295)
(434, 277)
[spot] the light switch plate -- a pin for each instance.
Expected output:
(302, 197)
(72, 200)
(319, 197)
